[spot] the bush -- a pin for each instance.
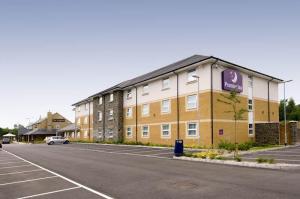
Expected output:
(261, 160)
(246, 146)
(238, 159)
(224, 144)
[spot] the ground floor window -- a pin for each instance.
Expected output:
(110, 133)
(78, 135)
(129, 132)
(250, 129)
(145, 131)
(165, 130)
(192, 129)
(85, 135)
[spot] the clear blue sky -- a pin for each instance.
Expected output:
(56, 52)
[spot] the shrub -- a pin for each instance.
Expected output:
(224, 144)
(238, 159)
(271, 161)
(261, 160)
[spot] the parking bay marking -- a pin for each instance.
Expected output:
(26, 165)
(30, 180)
(12, 162)
(65, 178)
(20, 172)
(50, 192)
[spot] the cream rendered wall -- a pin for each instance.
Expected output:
(83, 111)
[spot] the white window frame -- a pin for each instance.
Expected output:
(85, 134)
(142, 131)
(250, 129)
(162, 106)
(111, 114)
(169, 131)
(86, 106)
(190, 74)
(145, 90)
(111, 97)
(143, 113)
(188, 129)
(110, 133)
(78, 108)
(78, 121)
(127, 128)
(129, 94)
(100, 116)
(129, 113)
(187, 102)
(100, 101)
(166, 86)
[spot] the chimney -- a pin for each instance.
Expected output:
(49, 121)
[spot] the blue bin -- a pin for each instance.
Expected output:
(178, 150)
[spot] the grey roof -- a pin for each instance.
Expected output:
(22, 130)
(70, 127)
(168, 69)
(41, 132)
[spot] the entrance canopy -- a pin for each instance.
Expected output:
(9, 135)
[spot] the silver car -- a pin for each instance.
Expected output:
(56, 140)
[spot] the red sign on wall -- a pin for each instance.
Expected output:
(221, 132)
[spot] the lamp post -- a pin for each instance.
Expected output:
(284, 108)
(198, 104)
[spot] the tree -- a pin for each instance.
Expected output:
(292, 110)
(233, 101)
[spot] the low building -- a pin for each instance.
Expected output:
(48, 126)
(69, 131)
(181, 101)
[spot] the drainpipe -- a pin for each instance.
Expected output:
(269, 114)
(211, 102)
(136, 114)
(89, 121)
(177, 103)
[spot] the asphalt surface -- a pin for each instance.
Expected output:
(289, 155)
(136, 172)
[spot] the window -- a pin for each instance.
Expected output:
(165, 130)
(85, 120)
(100, 100)
(192, 102)
(129, 94)
(78, 108)
(250, 129)
(145, 131)
(192, 129)
(250, 81)
(111, 114)
(166, 106)
(250, 104)
(78, 121)
(110, 133)
(191, 74)
(145, 110)
(111, 97)
(129, 112)
(86, 106)
(57, 126)
(99, 115)
(85, 135)
(100, 134)
(145, 89)
(129, 132)
(166, 83)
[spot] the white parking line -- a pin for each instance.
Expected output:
(30, 180)
(65, 178)
(12, 162)
(51, 192)
(19, 172)
(26, 165)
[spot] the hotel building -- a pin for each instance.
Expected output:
(181, 101)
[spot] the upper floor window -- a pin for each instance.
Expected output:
(100, 100)
(191, 102)
(129, 94)
(191, 75)
(129, 112)
(111, 114)
(145, 89)
(78, 108)
(250, 104)
(86, 106)
(78, 121)
(166, 83)
(111, 97)
(250, 81)
(145, 110)
(100, 116)
(166, 106)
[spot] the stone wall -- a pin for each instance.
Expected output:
(291, 132)
(109, 129)
(267, 133)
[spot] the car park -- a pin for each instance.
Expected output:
(57, 140)
(5, 141)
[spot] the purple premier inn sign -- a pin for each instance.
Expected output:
(232, 80)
